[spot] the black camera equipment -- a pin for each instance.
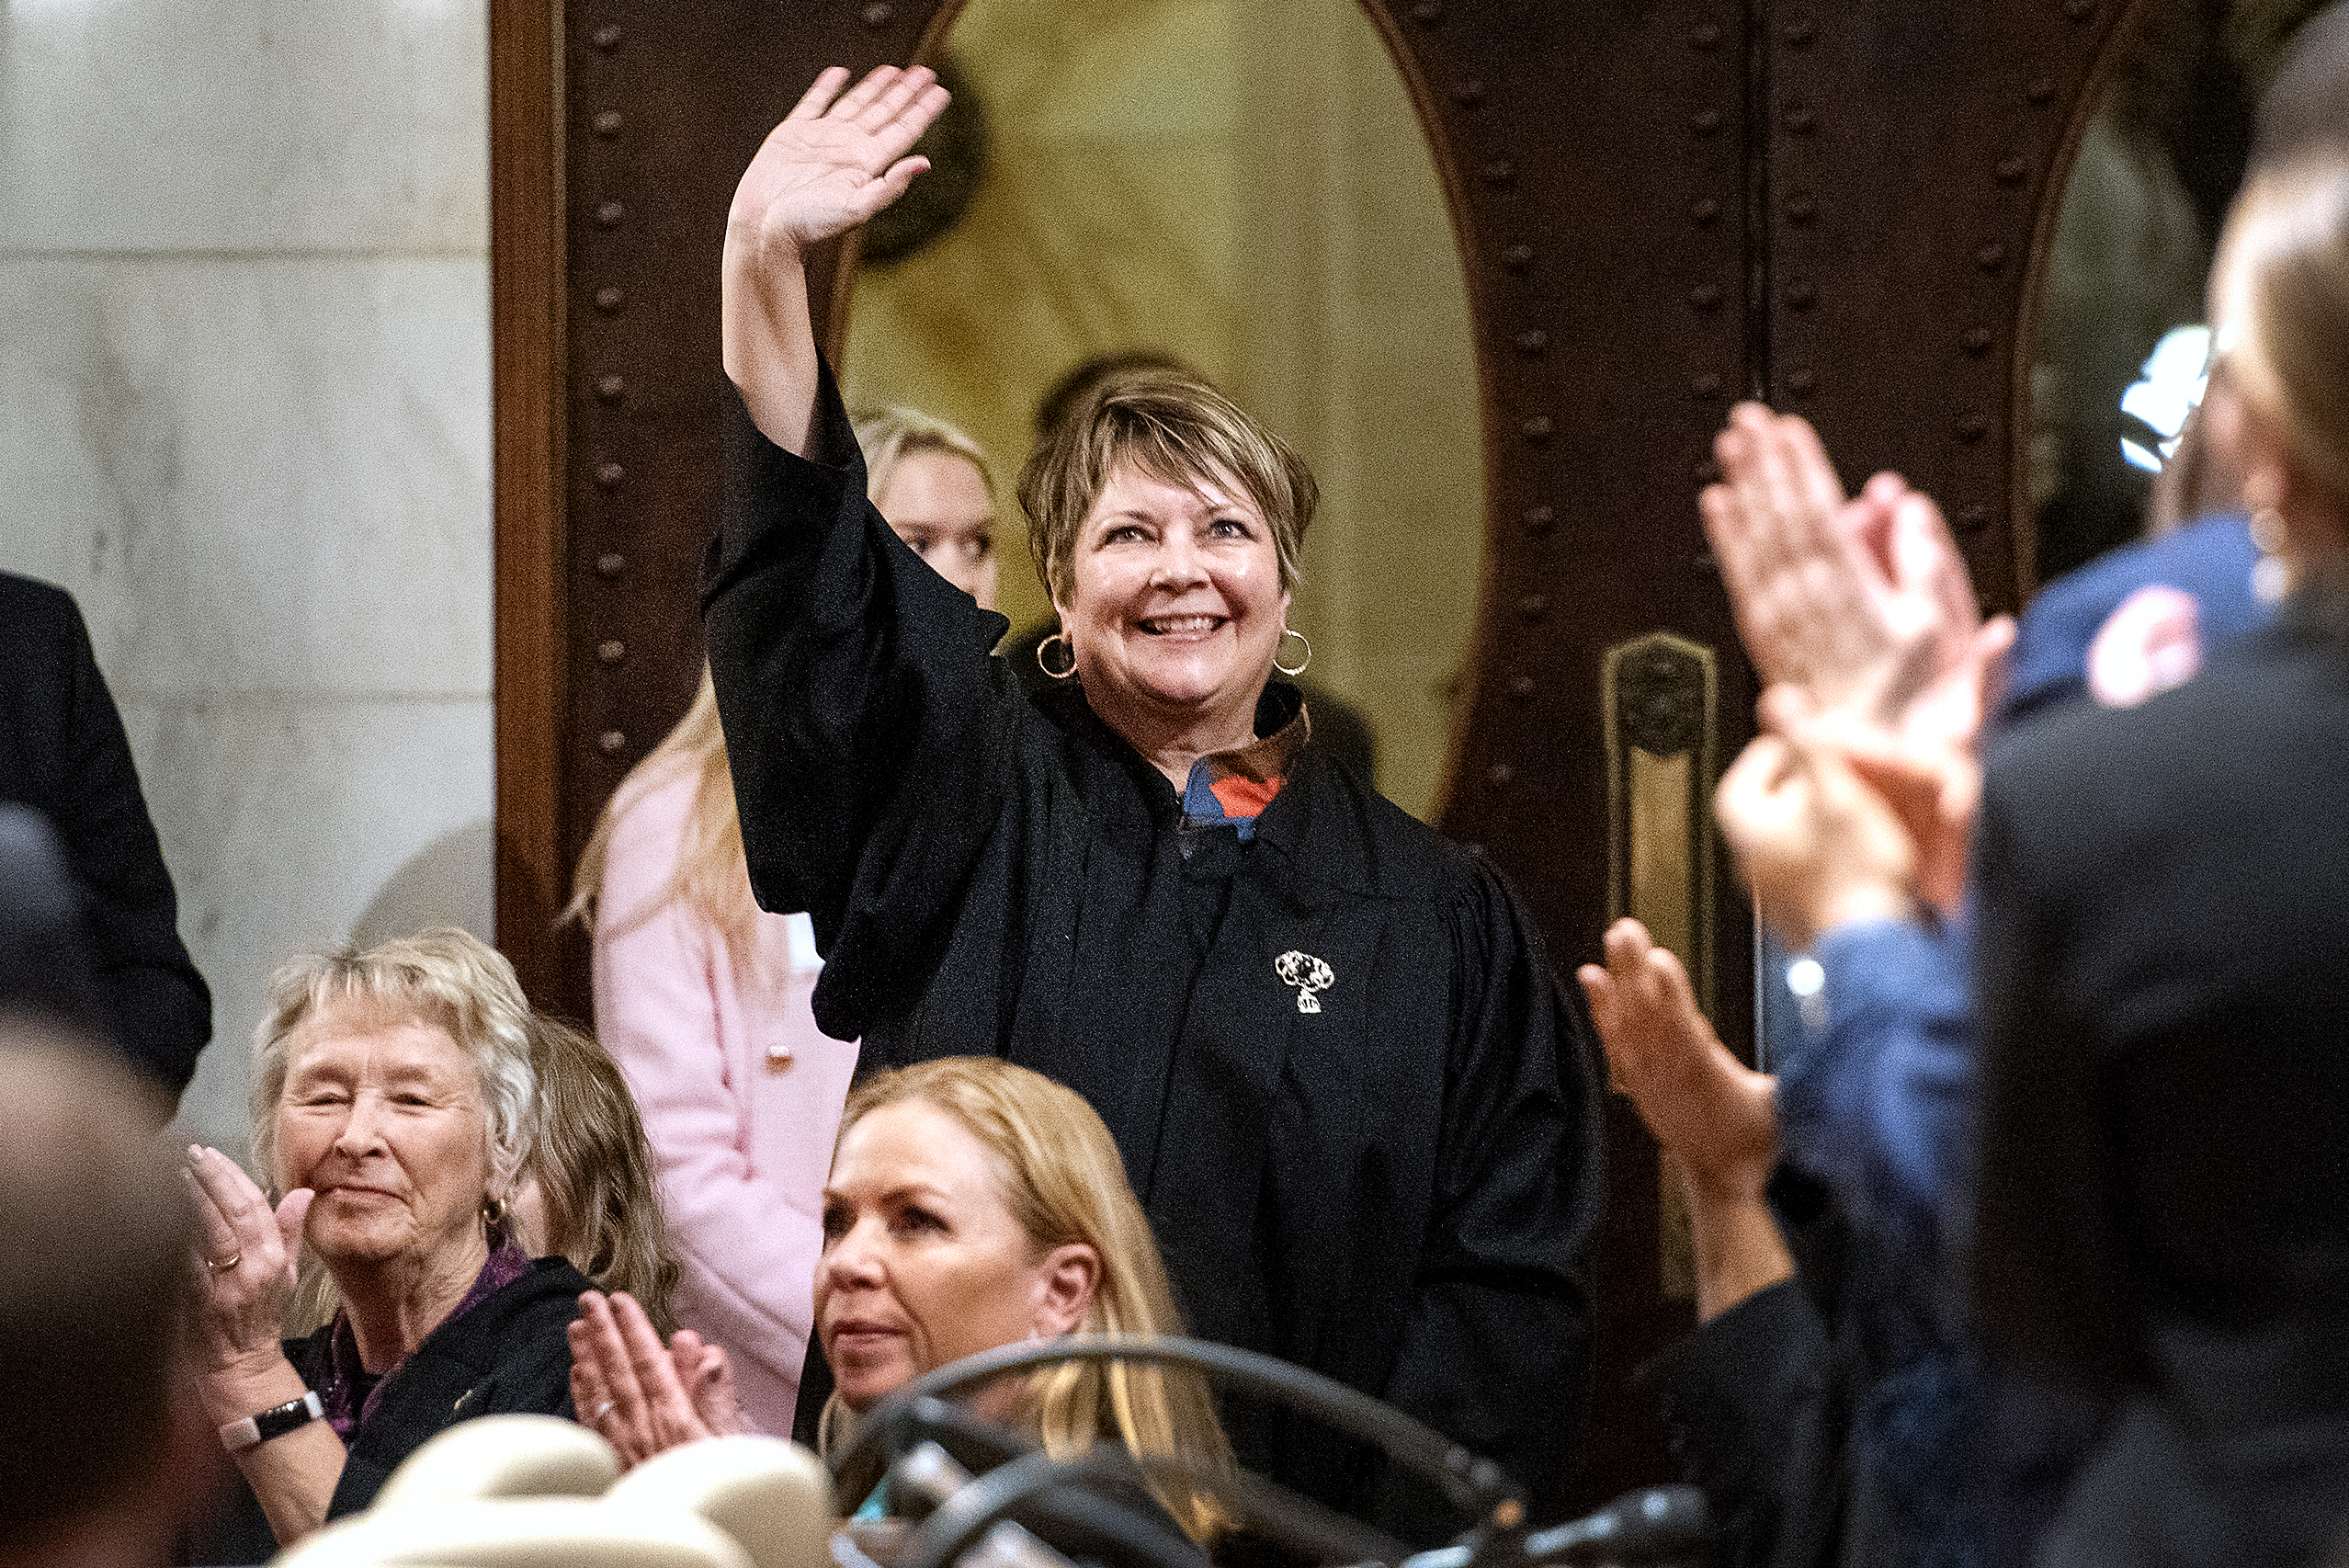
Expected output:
(961, 1478)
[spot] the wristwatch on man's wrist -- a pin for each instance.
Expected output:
(275, 1422)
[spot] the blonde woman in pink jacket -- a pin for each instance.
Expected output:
(703, 998)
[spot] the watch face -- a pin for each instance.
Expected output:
(275, 1422)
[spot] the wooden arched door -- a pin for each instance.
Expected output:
(1660, 207)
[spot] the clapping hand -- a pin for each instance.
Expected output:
(1816, 845)
(644, 1399)
(244, 1271)
(1717, 1117)
(1859, 614)
(1862, 602)
(1716, 1114)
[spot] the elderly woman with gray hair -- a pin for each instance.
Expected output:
(393, 1107)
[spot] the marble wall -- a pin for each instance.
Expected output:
(245, 418)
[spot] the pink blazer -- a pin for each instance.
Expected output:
(740, 1092)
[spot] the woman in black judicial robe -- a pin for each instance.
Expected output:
(1358, 1108)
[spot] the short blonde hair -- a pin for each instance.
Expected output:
(1064, 1181)
(1173, 428)
(444, 976)
(2279, 298)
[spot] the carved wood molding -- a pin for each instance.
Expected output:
(529, 428)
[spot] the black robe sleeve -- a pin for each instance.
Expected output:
(851, 678)
(1497, 1346)
(1752, 1406)
(64, 753)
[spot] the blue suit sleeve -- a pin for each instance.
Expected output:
(1878, 1102)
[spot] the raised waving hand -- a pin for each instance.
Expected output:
(838, 157)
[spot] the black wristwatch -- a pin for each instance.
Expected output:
(275, 1422)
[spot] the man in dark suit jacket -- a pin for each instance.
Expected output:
(64, 754)
(2160, 938)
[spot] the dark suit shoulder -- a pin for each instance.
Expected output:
(2258, 724)
(27, 604)
(45, 659)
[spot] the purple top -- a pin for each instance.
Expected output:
(349, 1390)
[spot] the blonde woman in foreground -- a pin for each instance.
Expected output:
(972, 1204)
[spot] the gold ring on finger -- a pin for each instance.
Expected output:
(222, 1265)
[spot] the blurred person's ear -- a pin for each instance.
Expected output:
(1067, 1278)
(2302, 519)
(2255, 441)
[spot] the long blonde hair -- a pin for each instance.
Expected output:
(712, 877)
(595, 1173)
(1063, 1181)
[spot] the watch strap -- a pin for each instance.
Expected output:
(275, 1422)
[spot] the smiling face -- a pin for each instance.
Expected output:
(382, 1118)
(923, 1262)
(938, 502)
(1175, 607)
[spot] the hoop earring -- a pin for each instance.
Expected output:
(1065, 671)
(1293, 671)
(2272, 575)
